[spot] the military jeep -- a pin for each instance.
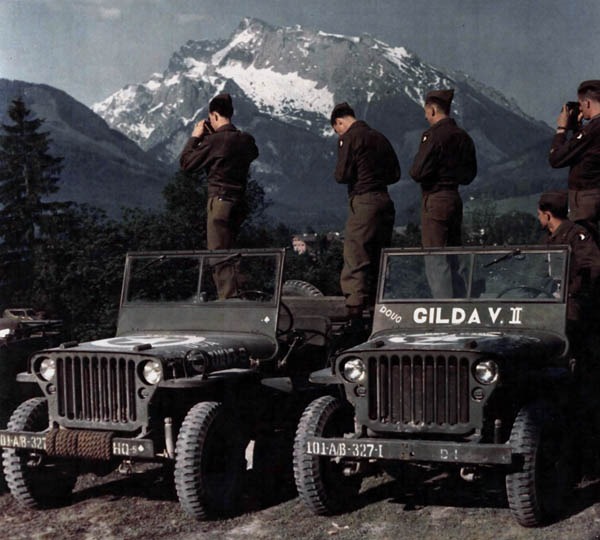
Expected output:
(467, 367)
(191, 377)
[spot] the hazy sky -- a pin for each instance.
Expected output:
(535, 51)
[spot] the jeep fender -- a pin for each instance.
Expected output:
(323, 376)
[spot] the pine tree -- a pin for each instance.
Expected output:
(28, 175)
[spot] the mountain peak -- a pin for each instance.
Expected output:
(285, 82)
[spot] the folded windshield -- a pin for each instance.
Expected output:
(499, 275)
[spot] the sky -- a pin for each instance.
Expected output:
(535, 51)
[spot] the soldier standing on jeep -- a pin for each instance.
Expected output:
(445, 160)
(367, 163)
(224, 153)
(581, 153)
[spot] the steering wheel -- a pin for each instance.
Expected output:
(531, 292)
(252, 294)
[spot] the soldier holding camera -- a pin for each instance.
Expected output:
(224, 153)
(581, 153)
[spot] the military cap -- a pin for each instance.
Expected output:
(586, 86)
(556, 202)
(221, 104)
(341, 110)
(443, 97)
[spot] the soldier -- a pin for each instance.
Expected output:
(584, 269)
(367, 163)
(224, 153)
(581, 153)
(445, 160)
(582, 314)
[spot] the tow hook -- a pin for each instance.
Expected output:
(352, 469)
(468, 474)
(35, 460)
(126, 467)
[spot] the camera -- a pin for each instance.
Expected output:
(573, 109)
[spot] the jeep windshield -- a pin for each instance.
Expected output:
(480, 274)
(200, 278)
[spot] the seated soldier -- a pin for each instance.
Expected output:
(584, 270)
(582, 319)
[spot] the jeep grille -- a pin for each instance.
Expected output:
(99, 392)
(419, 389)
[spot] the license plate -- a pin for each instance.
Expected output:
(29, 441)
(141, 448)
(345, 449)
(132, 448)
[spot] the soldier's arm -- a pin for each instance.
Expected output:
(563, 152)
(587, 261)
(425, 163)
(393, 165)
(471, 161)
(253, 150)
(195, 154)
(345, 169)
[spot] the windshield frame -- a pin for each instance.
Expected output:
(472, 252)
(202, 257)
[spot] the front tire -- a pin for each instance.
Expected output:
(35, 480)
(209, 463)
(537, 490)
(320, 481)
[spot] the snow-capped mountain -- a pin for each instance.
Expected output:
(285, 81)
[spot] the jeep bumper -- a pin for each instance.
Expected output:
(431, 451)
(118, 446)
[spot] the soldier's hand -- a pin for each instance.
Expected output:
(198, 129)
(563, 117)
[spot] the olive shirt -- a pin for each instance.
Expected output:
(366, 160)
(368, 164)
(225, 155)
(446, 158)
(584, 269)
(581, 153)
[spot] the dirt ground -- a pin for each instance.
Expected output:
(438, 506)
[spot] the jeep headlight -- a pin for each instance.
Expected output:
(486, 372)
(47, 369)
(354, 370)
(152, 372)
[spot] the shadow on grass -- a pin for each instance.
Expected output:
(157, 484)
(417, 488)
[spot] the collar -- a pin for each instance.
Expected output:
(448, 121)
(358, 124)
(563, 228)
(226, 127)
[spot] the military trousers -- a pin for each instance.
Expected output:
(369, 228)
(584, 209)
(224, 219)
(441, 219)
(441, 223)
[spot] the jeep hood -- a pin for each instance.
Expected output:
(177, 344)
(497, 343)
